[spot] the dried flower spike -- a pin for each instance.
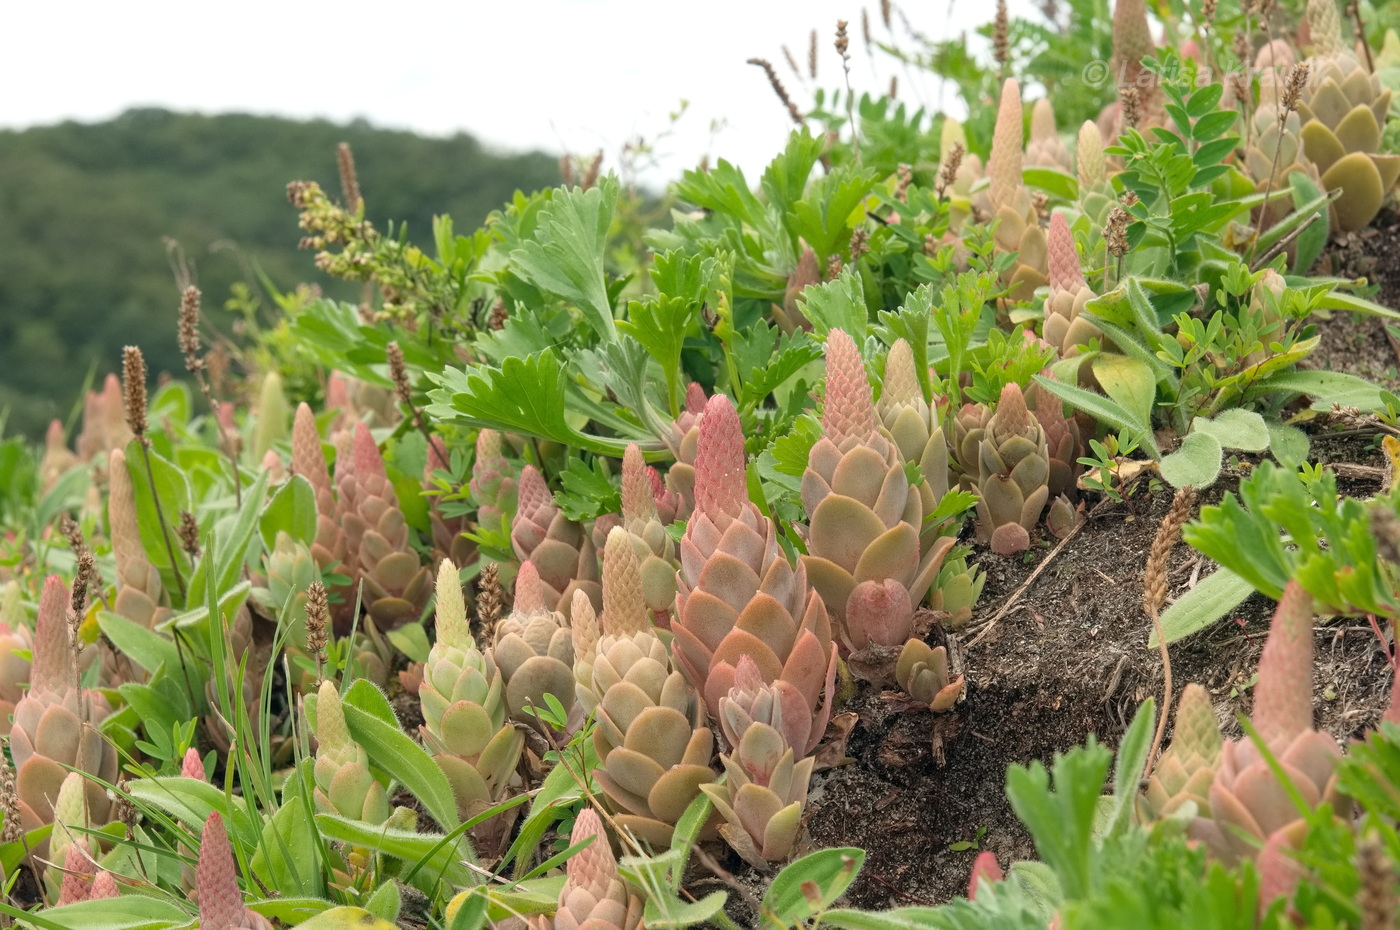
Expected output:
(812, 56)
(134, 390)
(349, 182)
(398, 373)
(489, 598)
(9, 804)
(1293, 90)
(189, 329)
(1001, 41)
(1116, 231)
(949, 173)
(1154, 581)
(318, 617)
(778, 88)
(1131, 100)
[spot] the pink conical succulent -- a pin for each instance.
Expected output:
(220, 899)
(738, 595)
(329, 547)
(647, 531)
(56, 723)
(1044, 148)
(104, 887)
(1013, 464)
(139, 589)
(865, 555)
(1249, 806)
(58, 458)
(192, 766)
(79, 870)
(561, 550)
(985, 870)
(16, 647)
(493, 483)
(1004, 165)
(683, 441)
(594, 897)
(396, 585)
(104, 420)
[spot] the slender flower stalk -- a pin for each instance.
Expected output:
(778, 88)
(843, 48)
(398, 371)
(188, 334)
(134, 393)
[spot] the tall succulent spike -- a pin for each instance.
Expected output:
(647, 532)
(914, 424)
(682, 441)
(1018, 224)
(1325, 28)
(464, 714)
(396, 586)
(624, 603)
(1005, 162)
(1044, 148)
(1283, 693)
(329, 546)
(1065, 327)
(220, 899)
(492, 484)
(594, 896)
(1132, 42)
(58, 458)
(1092, 165)
(55, 725)
(1249, 805)
(864, 554)
(560, 549)
(585, 632)
(139, 591)
(344, 783)
(738, 595)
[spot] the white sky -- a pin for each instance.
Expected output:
(559, 75)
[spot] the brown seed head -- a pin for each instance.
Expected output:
(1001, 40)
(123, 811)
(1297, 80)
(318, 616)
(349, 183)
(82, 580)
(73, 533)
(189, 534)
(497, 319)
(833, 266)
(1115, 231)
(489, 598)
(865, 30)
(949, 173)
(778, 88)
(1130, 99)
(906, 177)
(1154, 582)
(812, 56)
(1208, 12)
(1241, 46)
(398, 372)
(189, 329)
(860, 243)
(1376, 898)
(9, 804)
(843, 44)
(134, 389)
(885, 13)
(894, 86)
(590, 174)
(792, 62)
(1128, 199)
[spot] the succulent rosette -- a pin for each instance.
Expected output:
(864, 554)
(561, 550)
(344, 783)
(683, 441)
(765, 788)
(464, 710)
(1017, 223)
(1013, 475)
(534, 651)
(594, 896)
(922, 671)
(653, 748)
(1065, 327)
(139, 591)
(396, 585)
(641, 518)
(1186, 770)
(738, 595)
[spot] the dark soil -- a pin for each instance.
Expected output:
(923, 794)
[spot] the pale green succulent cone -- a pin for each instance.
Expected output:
(464, 714)
(344, 783)
(1187, 769)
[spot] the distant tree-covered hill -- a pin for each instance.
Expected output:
(84, 210)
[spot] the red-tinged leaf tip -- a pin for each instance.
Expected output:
(694, 398)
(216, 877)
(848, 411)
(52, 667)
(720, 480)
(529, 591)
(337, 391)
(747, 676)
(1065, 273)
(192, 766)
(54, 438)
(1283, 693)
(368, 461)
(984, 870)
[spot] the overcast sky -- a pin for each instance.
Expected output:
(561, 75)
